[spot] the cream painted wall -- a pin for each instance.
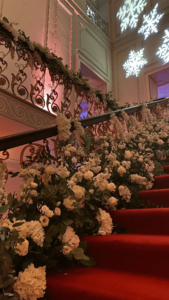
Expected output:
(134, 89)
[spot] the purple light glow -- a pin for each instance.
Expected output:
(163, 91)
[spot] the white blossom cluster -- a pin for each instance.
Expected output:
(105, 221)
(31, 284)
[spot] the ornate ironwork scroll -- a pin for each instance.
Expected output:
(37, 152)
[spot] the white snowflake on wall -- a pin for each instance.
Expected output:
(163, 51)
(150, 22)
(135, 62)
(129, 13)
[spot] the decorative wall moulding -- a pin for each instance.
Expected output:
(86, 38)
(23, 112)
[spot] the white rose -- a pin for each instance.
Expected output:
(44, 221)
(112, 201)
(88, 175)
(50, 170)
(160, 142)
(127, 154)
(91, 191)
(116, 163)
(57, 211)
(45, 210)
(78, 191)
(34, 193)
(22, 248)
(121, 170)
(67, 153)
(111, 187)
(68, 203)
(34, 185)
(74, 160)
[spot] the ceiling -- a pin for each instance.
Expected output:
(161, 77)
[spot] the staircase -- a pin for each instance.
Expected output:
(131, 266)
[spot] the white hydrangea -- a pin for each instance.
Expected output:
(31, 284)
(70, 240)
(105, 221)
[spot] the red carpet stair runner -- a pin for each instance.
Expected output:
(128, 267)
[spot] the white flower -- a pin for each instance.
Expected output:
(127, 154)
(135, 178)
(116, 163)
(78, 191)
(68, 203)
(91, 191)
(67, 153)
(125, 193)
(105, 221)
(45, 210)
(64, 126)
(74, 160)
(70, 239)
(34, 185)
(121, 170)
(44, 221)
(160, 142)
(50, 170)
(111, 187)
(126, 164)
(112, 201)
(34, 193)
(22, 248)
(31, 284)
(57, 211)
(36, 232)
(88, 175)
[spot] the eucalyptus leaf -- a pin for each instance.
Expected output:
(3, 209)
(78, 251)
(67, 222)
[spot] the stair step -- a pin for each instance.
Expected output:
(166, 169)
(143, 221)
(156, 197)
(102, 284)
(161, 182)
(144, 254)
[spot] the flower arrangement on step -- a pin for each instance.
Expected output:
(149, 137)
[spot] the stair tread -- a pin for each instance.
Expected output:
(96, 283)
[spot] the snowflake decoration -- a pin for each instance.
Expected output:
(163, 51)
(129, 13)
(150, 22)
(135, 62)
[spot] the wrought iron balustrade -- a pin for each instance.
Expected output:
(96, 18)
(97, 125)
(27, 74)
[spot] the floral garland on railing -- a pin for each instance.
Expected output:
(56, 66)
(72, 196)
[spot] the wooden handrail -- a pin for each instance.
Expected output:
(15, 140)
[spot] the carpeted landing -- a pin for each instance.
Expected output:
(131, 266)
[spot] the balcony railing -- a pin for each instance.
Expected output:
(31, 72)
(96, 18)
